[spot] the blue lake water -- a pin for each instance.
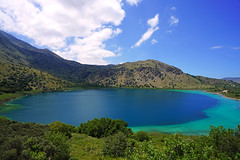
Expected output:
(188, 112)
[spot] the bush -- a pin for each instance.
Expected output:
(62, 128)
(59, 140)
(104, 127)
(225, 141)
(143, 150)
(31, 141)
(142, 136)
(115, 145)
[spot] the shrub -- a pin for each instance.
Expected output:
(62, 128)
(115, 145)
(59, 140)
(225, 141)
(142, 136)
(143, 150)
(104, 127)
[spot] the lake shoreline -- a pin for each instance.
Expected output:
(215, 113)
(217, 93)
(17, 95)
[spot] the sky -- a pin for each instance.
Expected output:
(201, 37)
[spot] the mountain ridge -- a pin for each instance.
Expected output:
(141, 74)
(234, 79)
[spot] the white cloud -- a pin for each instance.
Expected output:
(51, 23)
(173, 8)
(154, 41)
(216, 47)
(91, 50)
(133, 2)
(173, 21)
(153, 22)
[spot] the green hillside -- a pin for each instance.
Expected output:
(16, 81)
(17, 52)
(153, 74)
(141, 74)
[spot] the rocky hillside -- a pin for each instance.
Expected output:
(152, 74)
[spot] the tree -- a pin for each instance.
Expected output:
(115, 145)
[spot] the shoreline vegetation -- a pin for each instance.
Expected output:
(111, 139)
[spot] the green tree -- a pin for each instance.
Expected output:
(115, 145)
(104, 127)
(58, 139)
(62, 128)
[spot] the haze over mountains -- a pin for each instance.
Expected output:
(147, 74)
(234, 79)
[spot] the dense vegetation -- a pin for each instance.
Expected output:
(14, 78)
(61, 141)
(31, 141)
(104, 127)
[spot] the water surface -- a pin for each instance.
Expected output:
(189, 112)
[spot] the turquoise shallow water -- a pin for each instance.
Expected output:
(153, 110)
(225, 113)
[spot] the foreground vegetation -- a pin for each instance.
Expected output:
(111, 139)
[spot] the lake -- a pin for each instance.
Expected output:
(188, 112)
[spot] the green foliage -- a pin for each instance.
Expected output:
(104, 127)
(142, 136)
(143, 150)
(41, 142)
(62, 147)
(62, 128)
(14, 78)
(85, 147)
(115, 145)
(225, 141)
(31, 141)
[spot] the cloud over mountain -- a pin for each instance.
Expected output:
(61, 25)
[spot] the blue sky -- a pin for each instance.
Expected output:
(199, 37)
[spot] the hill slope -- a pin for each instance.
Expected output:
(17, 52)
(153, 74)
(147, 74)
(15, 78)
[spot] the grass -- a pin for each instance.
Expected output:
(88, 148)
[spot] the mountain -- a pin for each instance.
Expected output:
(234, 79)
(152, 74)
(17, 52)
(15, 78)
(141, 74)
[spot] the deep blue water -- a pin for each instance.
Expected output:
(139, 107)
